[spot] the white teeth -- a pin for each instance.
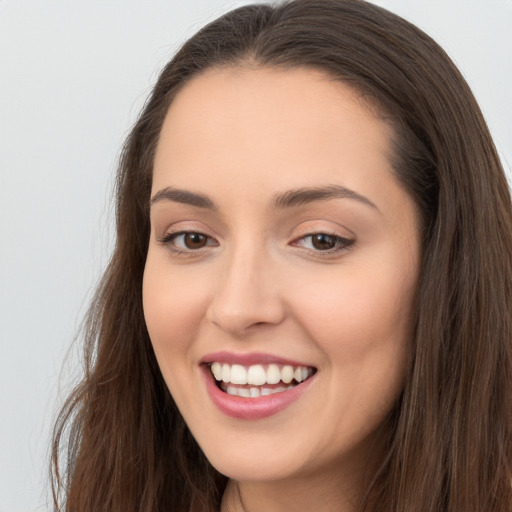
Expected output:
(257, 375)
(226, 373)
(273, 374)
(238, 374)
(231, 390)
(287, 374)
(217, 371)
(255, 392)
(244, 392)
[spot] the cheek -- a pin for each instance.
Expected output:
(174, 305)
(360, 322)
(363, 314)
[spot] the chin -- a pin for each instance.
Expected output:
(254, 471)
(257, 463)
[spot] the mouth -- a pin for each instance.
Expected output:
(258, 379)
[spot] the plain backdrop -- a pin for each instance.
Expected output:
(73, 76)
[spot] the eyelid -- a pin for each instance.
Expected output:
(342, 243)
(167, 241)
(345, 238)
(164, 231)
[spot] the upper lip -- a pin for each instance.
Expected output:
(249, 359)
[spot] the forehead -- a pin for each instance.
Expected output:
(220, 100)
(266, 126)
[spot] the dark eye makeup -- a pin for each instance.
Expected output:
(320, 243)
(324, 242)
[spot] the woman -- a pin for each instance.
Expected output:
(309, 302)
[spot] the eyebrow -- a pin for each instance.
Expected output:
(183, 196)
(307, 195)
(288, 199)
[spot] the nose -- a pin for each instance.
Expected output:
(247, 294)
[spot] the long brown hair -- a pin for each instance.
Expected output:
(449, 442)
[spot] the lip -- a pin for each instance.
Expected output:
(251, 408)
(249, 359)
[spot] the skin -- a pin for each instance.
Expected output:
(240, 136)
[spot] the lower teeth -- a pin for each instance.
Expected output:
(254, 392)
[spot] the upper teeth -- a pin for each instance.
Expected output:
(258, 374)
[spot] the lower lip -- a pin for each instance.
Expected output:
(252, 408)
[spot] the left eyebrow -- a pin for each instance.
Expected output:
(306, 195)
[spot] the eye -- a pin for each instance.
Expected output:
(191, 240)
(324, 242)
(187, 241)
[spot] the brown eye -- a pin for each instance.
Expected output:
(194, 240)
(187, 241)
(323, 242)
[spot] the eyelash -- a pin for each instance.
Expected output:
(341, 243)
(168, 239)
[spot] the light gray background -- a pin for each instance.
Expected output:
(73, 76)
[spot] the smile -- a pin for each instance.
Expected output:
(256, 385)
(258, 380)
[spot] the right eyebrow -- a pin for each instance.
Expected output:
(183, 196)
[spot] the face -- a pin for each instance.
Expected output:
(281, 271)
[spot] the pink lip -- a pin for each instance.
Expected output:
(248, 359)
(252, 408)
